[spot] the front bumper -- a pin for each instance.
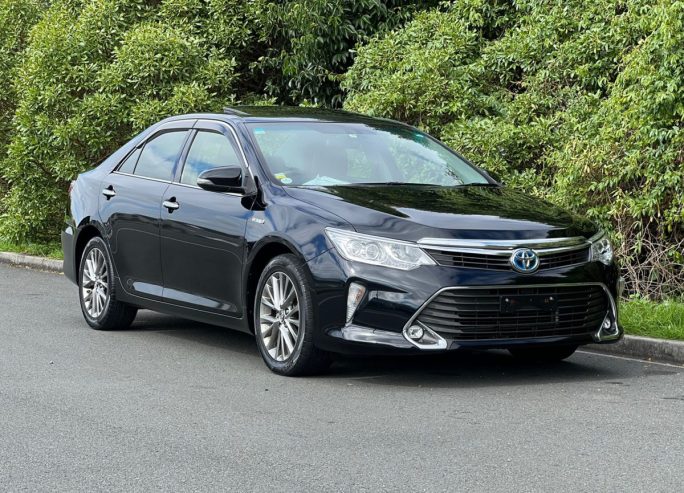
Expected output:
(395, 299)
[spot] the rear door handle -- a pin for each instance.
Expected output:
(109, 192)
(171, 204)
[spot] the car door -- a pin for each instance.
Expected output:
(130, 208)
(203, 232)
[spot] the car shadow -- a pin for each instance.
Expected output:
(453, 369)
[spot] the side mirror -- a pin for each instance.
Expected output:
(227, 179)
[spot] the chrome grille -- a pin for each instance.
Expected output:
(501, 262)
(477, 314)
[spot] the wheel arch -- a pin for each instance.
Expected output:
(261, 255)
(85, 234)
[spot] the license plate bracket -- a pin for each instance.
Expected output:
(528, 302)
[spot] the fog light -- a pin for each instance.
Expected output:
(354, 297)
(415, 332)
(608, 327)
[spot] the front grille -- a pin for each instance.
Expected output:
(476, 314)
(501, 262)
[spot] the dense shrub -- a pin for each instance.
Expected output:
(95, 72)
(93, 75)
(577, 101)
(16, 19)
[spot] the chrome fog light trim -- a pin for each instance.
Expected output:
(374, 336)
(429, 338)
(609, 330)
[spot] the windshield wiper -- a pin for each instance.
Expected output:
(480, 185)
(396, 183)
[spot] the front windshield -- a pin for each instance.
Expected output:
(325, 154)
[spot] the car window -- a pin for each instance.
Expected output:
(129, 164)
(327, 153)
(209, 150)
(159, 155)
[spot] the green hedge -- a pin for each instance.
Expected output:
(16, 19)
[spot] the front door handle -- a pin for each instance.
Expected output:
(109, 192)
(171, 204)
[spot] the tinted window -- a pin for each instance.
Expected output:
(208, 151)
(160, 154)
(129, 164)
(347, 153)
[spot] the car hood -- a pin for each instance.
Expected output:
(412, 212)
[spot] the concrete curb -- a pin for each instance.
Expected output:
(39, 263)
(645, 348)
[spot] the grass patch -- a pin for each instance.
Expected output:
(664, 320)
(51, 250)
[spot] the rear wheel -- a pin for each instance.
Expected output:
(284, 319)
(543, 353)
(100, 308)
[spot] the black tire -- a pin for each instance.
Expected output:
(542, 354)
(115, 314)
(305, 358)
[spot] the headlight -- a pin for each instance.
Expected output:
(601, 249)
(368, 249)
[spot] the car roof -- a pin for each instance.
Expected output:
(287, 114)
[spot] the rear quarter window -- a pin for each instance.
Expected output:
(128, 166)
(159, 156)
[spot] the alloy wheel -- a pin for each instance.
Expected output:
(279, 316)
(94, 283)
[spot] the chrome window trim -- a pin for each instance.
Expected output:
(613, 304)
(115, 172)
(171, 183)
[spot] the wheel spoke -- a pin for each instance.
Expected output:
(291, 330)
(89, 271)
(278, 351)
(270, 340)
(268, 302)
(275, 291)
(289, 297)
(282, 285)
(289, 337)
(265, 332)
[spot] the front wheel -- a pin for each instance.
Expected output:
(100, 308)
(542, 354)
(284, 319)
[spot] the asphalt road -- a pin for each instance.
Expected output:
(175, 405)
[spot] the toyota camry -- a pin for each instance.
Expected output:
(324, 232)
